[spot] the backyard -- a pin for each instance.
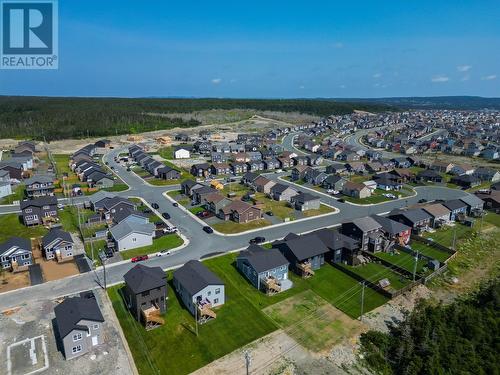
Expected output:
(374, 272)
(174, 348)
(403, 260)
(167, 242)
(11, 225)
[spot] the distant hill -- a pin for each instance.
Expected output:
(59, 118)
(432, 102)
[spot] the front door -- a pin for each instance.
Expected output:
(94, 341)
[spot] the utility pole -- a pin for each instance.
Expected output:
(247, 361)
(362, 300)
(415, 265)
(196, 318)
(454, 237)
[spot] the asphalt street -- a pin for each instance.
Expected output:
(201, 244)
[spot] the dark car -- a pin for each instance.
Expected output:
(108, 252)
(208, 229)
(257, 240)
(165, 215)
(128, 169)
(155, 205)
(139, 258)
(175, 204)
(422, 200)
(112, 167)
(160, 224)
(341, 200)
(269, 213)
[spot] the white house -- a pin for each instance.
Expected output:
(130, 235)
(182, 153)
(5, 189)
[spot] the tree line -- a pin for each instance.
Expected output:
(53, 118)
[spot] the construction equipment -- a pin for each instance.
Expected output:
(152, 318)
(272, 285)
(306, 269)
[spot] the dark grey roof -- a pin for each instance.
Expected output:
(428, 173)
(142, 278)
(47, 200)
(335, 240)
(195, 276)
(305, 197)
(389, 225)
(454, 204)
(54, 234)
(22, 243)
(471, 200)
(279, 188)
(123, 214)
(188, 183)
(73, 310)
(415, 215)
(263, 260)
(306, 247)
(366, 224)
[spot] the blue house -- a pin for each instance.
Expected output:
(267, 270)
(457, 207)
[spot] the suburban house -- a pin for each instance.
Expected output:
(38, 186)
(214, 202)
(79, 325)
(240, 212)
(299, 172)
(220, 168)
(263, 184)
(457, 208)
(416, 218)
(387, 181)
(428, 175)
(491, 199)
(40, 210)
(394, 230)
(5, 187)
(356, 190)
(266, 269)
(315, 176)
(187, 187)
(459, 169)
(441, 166)
(238, 167)
(182, 152)
(198, 194)
(304, 253)
(440, 215)
(168, 173)
(102, 143)
(334, 182)
(145, 294)
(282, 192)
(100, 180)
(466, 181)
(200, 170)
(367, 231)
(109, 207)
(305, 201)
(58, 244)
(127, 235)
(199, 289)
(342, 248)
(487, 174)
(15, 254)
(248, 178)
(474, 205)
(130, 215)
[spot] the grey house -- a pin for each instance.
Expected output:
(145, 294)
(266, 270)
(130, 235)
(457, 208)
(38, 186)
(367, 231)
(39, 210)
(305, 253)
(282, 192)
(474, 205)
(305, 201)
(199, 289)
(15, 254)
(79, 324)
(58, 244)
(334, 182)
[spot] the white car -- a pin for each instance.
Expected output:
(60, 206)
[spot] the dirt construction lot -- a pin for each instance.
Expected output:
(27, 343)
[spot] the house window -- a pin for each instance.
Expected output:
(216, 300)
(28, 210)
(76, 349)
(77, 337)
(217, 291)
(95, 326)
(134, 239)
(209, 293)
(25, 256)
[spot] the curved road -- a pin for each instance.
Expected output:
(200, 243)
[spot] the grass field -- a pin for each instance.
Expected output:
(167, 152)
(378, 196)
(96, 245)
(403, 260)
(10, 225)
(430, 251)
(17, 195)
(166, 242)
(243, 313)
(229, 226)
(374, 272)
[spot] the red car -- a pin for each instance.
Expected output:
(139, 258)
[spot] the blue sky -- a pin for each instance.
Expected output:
(271, 49)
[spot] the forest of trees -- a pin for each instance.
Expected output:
(59, 118)
(460, 338)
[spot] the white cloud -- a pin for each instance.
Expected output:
(439, 79)
(491, 77)
(216, 81)
(377, 75)
(338, 45)
(463, 68)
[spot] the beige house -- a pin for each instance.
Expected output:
(356, 190)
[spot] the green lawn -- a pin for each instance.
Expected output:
(10, 225)
(166, 242)
(17, 195)
(403, 260)
(279, 209)
(96, 245)
(323, 209)
(374, 272)
(378, 196)
(167, 152)
(120, 186)
(69, 218)
(197, 209)
(444, 235)
(233, 227)
(430, 251)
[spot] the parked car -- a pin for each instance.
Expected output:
(165, 215)
(208, 229)
(175, 204)
(60, 206)
(139, 258)
(269, 213)
(160, 224)
(108, 252)
(422, 200)
(170, 229)
(128, 169)
(155, 205)
(341, 200)
(257, 240)
(163, 252)
(203, 214)
(147, 211)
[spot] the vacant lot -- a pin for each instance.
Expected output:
(11, 225)
(166, 242)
